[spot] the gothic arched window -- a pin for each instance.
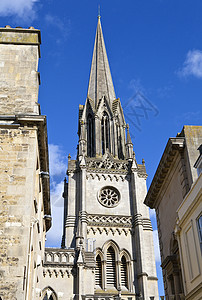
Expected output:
(98, 271)
(111, 267)
(123, 267)
(105, 132)
(49, 294)
(91, 137)
(119, 141)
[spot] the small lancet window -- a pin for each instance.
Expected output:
(105, 132)
(98, 271)
(119, 142)
(124, 279)
(48, 298)
(49, 294)
(111, 267)
(91, 137)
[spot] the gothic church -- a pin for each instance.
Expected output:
(107, 247)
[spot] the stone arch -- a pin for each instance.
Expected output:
(112, 244)
(99, 252)
(125, 269)
(125, 253)
(49, 294)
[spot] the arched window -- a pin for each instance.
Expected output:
(123, 267)
(105, 132)
(91, 137)
(49, 294)
(98, 271)
(119, 143)
(111, 267)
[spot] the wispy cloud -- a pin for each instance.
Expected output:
(57, 160)
(192, 64)
(136, 86)
(156, 246)
(152, 213)
(25, 9)
(56, 193)
(57, 171)
(61, 25)
(55, 233)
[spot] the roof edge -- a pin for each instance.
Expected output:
(174, 145)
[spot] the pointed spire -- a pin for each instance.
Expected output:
(129, 141)
(100, 82)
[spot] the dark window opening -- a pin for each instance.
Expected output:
(124, 279)
(111, 267)
(105, 132)
(98, 271)
(91, 136)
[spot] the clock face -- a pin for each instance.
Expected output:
(109, 196)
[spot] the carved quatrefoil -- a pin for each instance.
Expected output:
(109, 196)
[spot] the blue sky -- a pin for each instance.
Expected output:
(155, 54)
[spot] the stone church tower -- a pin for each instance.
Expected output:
(107, 225)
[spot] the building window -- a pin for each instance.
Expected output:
(105, 132)
(109, 196)
(199, 226)
(119, 143)
(49, 294)
(98, 271)
(111, 267)
(124, 279)
(91, 137)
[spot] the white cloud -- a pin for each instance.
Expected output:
(56, 194)
(63, 25)
(156, 246)
(152, 213)
(20, 8)
(54, 235)
(57, 170)
(136, 86)
(192, 65)
(57, 160)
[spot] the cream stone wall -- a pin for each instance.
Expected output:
(21, 226)
(19, 54)
(93, 186)
(24, 191)
(172, 196)
(188, 237)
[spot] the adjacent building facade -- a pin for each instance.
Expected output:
(24, 185)
(176, 194)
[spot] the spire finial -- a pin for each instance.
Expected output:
(99, 16)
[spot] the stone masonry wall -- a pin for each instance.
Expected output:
(19, 79)
(17, 165)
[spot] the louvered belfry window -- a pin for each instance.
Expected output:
(111, 267)
(124, 280)
(98, 271)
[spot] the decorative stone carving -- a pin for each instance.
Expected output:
(106, 177)
(107, 165)
(109, 221)
(56, 272)
(109, 230)
(109, 196)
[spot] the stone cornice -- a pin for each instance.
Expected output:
(173, 147)
(39, 122)
(20, 36)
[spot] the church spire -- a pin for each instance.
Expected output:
(100, 82)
